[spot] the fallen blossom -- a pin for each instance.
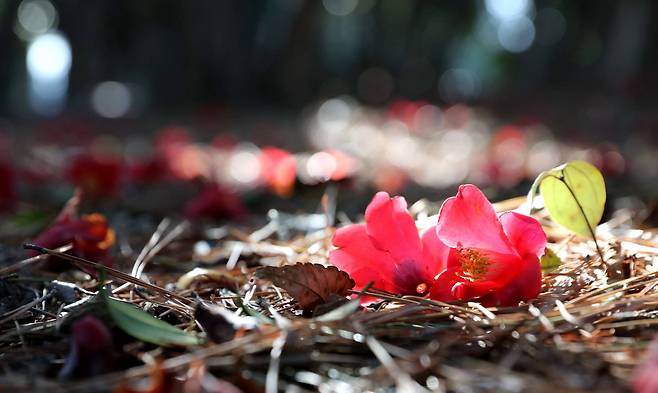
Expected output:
(345, 165)
(183, 158)
(96, 176)
(278, 170)
(90, 235)
(215, 201)
(471, 254)
(90, 351)
(496, 257)
(146, 170)
(389, 251)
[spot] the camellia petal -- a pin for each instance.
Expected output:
(468, 220)
(442, 287)
(358, 254)
(363, 276)
(438, 255)
(388, 250)
(90, 235)
(392, 228)
(465, 290)
(525, 233)
(525, 285)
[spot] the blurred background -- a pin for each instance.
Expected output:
(394, 95)
(164, 56)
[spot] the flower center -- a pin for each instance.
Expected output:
(421, 288)
(474, 265)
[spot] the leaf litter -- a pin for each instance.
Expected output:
(587, 330)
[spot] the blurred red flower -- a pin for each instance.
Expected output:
(496, 259)
(90, 353)
(389, 251)
(278, 170)
(7, 186)
(345, 165)
(171, 140)
(96, 176)
(645, 377)
(182, 158)
(90, 234)
(215, 201)
(506, 160)
(147, 170)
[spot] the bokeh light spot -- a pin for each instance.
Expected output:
(36, 17)
(340, 7)
(517, 34)
(321, 166)
(49, 57)
(111, 99)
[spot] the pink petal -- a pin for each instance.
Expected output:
(470, 290)
(524, 286)
(468, 220)
(435, 254)
(525, 233)
(350, 235)
(449, 286)
(442, 286)
(358, 257)
(364, 276)
(392, 228)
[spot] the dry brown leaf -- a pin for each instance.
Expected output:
(308, 283)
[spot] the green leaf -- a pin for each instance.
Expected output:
(144, 326)
(254, 313)
(574, 195)
(549, 260)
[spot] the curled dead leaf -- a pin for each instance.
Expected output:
(308, 283)
(222, 278)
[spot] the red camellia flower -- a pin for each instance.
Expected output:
(96, 176)
(389, 251)
(278, 169)
(494, 259)
(90, 234)
(470, 254)
(90, 353)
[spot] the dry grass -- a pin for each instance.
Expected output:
(585, 332)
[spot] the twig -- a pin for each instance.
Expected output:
(81, 262)
(29, 261)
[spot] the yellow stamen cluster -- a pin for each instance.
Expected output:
(474, 265)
